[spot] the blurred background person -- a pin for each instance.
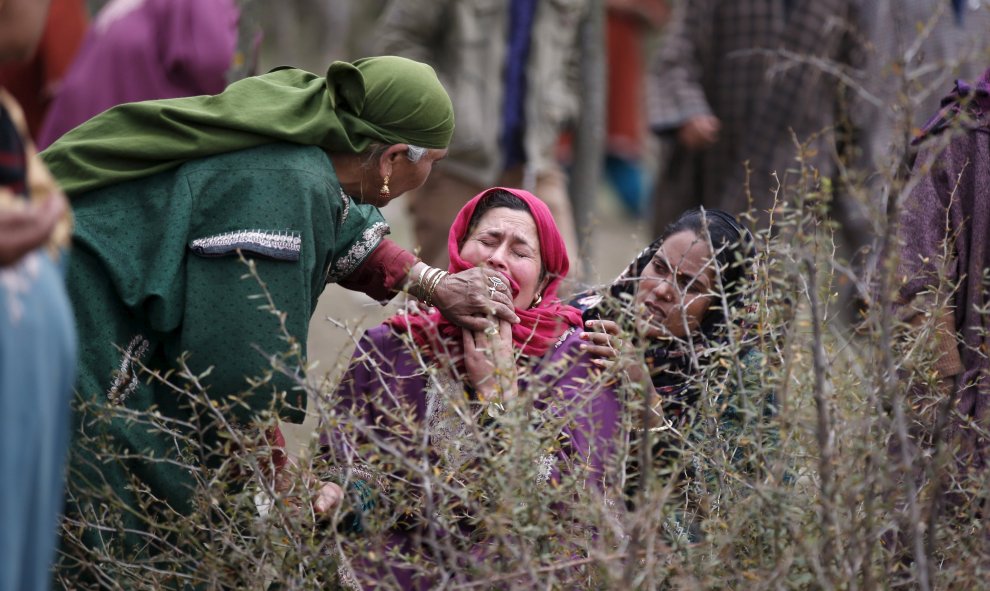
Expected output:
(916, 51)
(140, 50)
(732, 80)
(511, 70)
(629, 25)
(35, 81)
(942, 230)
(37, 335)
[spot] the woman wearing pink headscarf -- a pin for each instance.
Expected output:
(423, 392)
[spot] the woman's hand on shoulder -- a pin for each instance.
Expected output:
(490, 363)
(470, 298)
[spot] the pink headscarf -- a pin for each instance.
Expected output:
(539, 326)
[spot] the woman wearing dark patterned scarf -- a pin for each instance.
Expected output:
(671, 328)
(678, 302)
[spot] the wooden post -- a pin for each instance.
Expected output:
(589, 137)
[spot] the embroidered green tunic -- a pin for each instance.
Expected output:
(156, 264)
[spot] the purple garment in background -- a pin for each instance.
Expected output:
(521, 14)
(138, 50)
(951, 203)
(384, 376)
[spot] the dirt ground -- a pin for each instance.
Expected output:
(343, 315)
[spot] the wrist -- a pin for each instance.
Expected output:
(424, 282)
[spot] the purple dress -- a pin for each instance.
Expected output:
(388, 378)
(140, 50)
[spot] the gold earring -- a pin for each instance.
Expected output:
(539, 298)
(384, 192)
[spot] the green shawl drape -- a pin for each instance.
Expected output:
(384, 99)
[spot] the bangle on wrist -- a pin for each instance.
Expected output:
(435, 280)
(426, 277)
(419, 282)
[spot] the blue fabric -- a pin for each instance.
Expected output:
(627, 178)
(521, 14)
(959, 10)
(37, 370)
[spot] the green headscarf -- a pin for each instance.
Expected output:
(386, 99)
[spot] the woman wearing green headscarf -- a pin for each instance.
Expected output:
(287, 170)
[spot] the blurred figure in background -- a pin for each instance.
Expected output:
(511, 70)
(37, 335)
(943, 269)
(917, 49)
(628, 26)
(141, 50)
(732, 80)
(33, 83)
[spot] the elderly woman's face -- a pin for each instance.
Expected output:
(408, 175)
(675, 288)
(506, 240)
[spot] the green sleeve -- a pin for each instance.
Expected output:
(229, 319)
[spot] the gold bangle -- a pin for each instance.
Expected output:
(433, 287)
(419, 282)
(425, 277)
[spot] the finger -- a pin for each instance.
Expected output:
(600, 351)
(501, 297)
(610, 327)
(474, 323)
(329, 495)
(468, 337)
(502, 283)
(491, 334)
(503, 311)
(598, 338)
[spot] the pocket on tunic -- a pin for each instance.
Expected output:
(276, 245)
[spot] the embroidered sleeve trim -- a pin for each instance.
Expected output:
(282, 246)
(346, 199)
(358, 251)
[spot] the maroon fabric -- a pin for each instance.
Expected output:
(540, 325)
(34, 82)
(381, 274)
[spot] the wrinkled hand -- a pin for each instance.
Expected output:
(699, 132)
(25, 229)
(466, 299)
(490, 363)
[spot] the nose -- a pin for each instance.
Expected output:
(665, 290)
(496, 259)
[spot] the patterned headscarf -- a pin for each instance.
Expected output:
(386, 99)
(540, 325)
